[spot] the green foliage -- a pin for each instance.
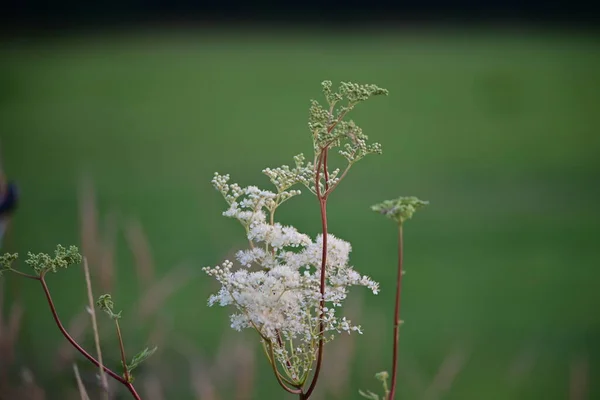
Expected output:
(63, 258)
(6, 261)
(330, 130)
(326, 123)
(400, 209)
(107, 305)
(140, 358)
(285, 177)
(43, 262)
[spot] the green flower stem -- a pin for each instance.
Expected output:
(126, 374)
(23, 274)
(278, 376)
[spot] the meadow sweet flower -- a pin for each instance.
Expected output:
(280, 297)
(288, 286)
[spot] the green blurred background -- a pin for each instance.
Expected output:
(498, 130)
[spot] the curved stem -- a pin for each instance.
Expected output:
(397, 315)
(277, 375)
(323, 206)
(322, 164)
(62, 329)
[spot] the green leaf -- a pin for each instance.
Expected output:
(369, 395)
(140, 358)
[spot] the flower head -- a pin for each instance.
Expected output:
(400, 209)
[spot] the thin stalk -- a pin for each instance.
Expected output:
(278, 376)
(23, 274)
(122, 349)
(323, 208)
(322, 164)
(82, 391)
(88, 283)
(326, 172)
(62, 329)
(397, 316)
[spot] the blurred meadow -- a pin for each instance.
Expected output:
(114, 138)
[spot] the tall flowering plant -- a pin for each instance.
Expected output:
(287, 286)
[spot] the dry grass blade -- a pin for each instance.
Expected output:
(246, 367)
(14, 322)
(579, 379)
(158, 336)
(29, 390)
(449, 369)
(159, 292)
(522, 366)
(225, 359)
(200, 381)
(9, 333)
(92, 311)
(411, 375)
(152, 388)
(1, 307)
(138, 243)
(235, 358)
(82, 392)
(88, 215)
(106, 258)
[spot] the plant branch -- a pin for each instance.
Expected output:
(122, 349)
(332, 188)
(62, 329)
(277, 375)
(23, 274)
(326, 171)
(323, 207)
(397, 316)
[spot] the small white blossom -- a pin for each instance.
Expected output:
(251, 256)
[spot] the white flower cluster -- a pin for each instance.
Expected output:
(248, 204)
(277, 288)
(283, 294)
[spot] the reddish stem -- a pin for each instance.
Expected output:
(322, 164)
(323, 207)
(62, 329)
(397, 316)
